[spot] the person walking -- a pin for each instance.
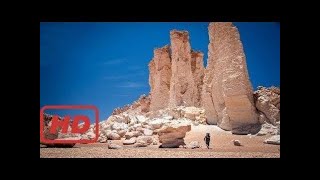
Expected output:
(207, 139)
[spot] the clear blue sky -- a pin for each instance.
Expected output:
(106, 64)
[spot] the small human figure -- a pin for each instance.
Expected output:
(207, 139)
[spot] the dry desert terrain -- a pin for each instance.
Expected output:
(221, 146)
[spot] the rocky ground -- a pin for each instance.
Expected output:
(221, 146)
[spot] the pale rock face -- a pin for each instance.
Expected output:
(262, 118)
(268, 103)
(226, 83)
(159, 79)
(194, 114)
(144, 102)
(171, 135)
(182, 86)
(271, 112)
(208, 105)
(197, 69)
(191, 112)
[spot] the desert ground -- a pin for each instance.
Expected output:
(221, 146)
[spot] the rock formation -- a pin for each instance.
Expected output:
(171, 136)
(182, 86)
(140, 106)
(159, 79)
(197, 69)
(220, 94)
(268, 104)
(227, 93)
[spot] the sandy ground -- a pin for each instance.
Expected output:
(221, 146)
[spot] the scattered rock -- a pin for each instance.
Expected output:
(167, 117)
(117, 118)
(131, 134)
(156, 123)
(146, 126)
(137, 126)
(273, 140)
(102, 139)
(113, 136)
(193, 145)
(236, 143)
(140, 129)
(130, 141)
(155, 142)
(119, 126)
(122, 133)
(172, 135)
(147, 132)
(268, 129)
(143, 141)
(114, 146)
(141, 119)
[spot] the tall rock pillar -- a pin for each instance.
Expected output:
(227, 94)
(159, 78)
(197, 69)
(182, 87)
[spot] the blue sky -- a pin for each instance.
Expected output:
(106, 64)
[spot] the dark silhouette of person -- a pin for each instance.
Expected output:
(207, 139)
